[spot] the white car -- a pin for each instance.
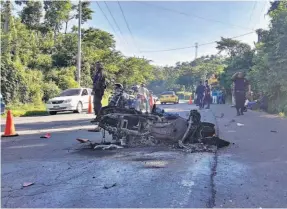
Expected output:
(75, 100)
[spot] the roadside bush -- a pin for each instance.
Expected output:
(50, 90)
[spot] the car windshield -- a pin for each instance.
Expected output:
(70, 92)
(168, 93)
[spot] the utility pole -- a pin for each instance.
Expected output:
(196, 48)
(79, 45)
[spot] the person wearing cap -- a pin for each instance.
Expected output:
(99, 86)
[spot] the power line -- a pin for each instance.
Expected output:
(115, 20)
(252, 12)
(188, 47)
(107, 18)
(192, 15)
(128, 26)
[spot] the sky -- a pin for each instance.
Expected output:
(163, 25)
(160, 25)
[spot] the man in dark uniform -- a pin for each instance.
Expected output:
(99, 86)
(240, 84)
(207, 96)
(199, 94)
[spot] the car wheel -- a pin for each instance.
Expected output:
(52, 112)
(79, 107)
(161, 103)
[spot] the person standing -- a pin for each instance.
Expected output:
(232, 96)
(240, 84)
(199, 94)
(99, 86)
(214, 96)
(144, 91)
(207, 96)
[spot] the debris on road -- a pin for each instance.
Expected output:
(46, 136)
(83, 140)
(221, 116)
(240, 124)
(228, 124)
(273, 131)
(107, 147)
(110, 186)
(26, 184)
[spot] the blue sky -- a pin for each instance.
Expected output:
(154, 28)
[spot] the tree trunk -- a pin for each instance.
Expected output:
(66, 27)
(7, 10)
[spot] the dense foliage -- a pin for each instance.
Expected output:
(265, 65)
(39, 54)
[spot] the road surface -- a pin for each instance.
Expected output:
(67, 175)
(249, 173)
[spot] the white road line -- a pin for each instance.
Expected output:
(73, 128)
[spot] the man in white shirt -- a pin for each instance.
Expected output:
(145, 92)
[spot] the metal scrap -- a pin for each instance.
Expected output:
(130, 127)
(107, 147)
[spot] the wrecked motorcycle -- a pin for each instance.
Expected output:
(128, 125)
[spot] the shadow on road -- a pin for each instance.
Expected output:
(49, 124)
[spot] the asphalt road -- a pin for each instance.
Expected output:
(68, 174)
(249, 173)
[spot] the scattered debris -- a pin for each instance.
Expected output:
(228, 124)
(155, 164)
(46, 136)
(273, 131)
(110, 186)
(93, 130)
(240, 124)
(107, 147)
(221, 116)
(83, 140)
(231, 131)
(26, 184)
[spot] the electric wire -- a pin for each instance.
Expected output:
(115, 21)
(252, 12)
(192, 15)
(112, 27)
(188, 47)
(128, 26)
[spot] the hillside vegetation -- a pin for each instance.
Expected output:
(39, 56)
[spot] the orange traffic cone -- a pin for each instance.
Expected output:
(190, 100)
(90, 109)
(10, 127)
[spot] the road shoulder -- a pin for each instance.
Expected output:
(252, 171)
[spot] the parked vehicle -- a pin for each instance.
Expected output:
(2, 105)
(75, 100)
(168, 97)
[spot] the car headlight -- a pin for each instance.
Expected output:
(68, 101)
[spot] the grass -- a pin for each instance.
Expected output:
(24, 110)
